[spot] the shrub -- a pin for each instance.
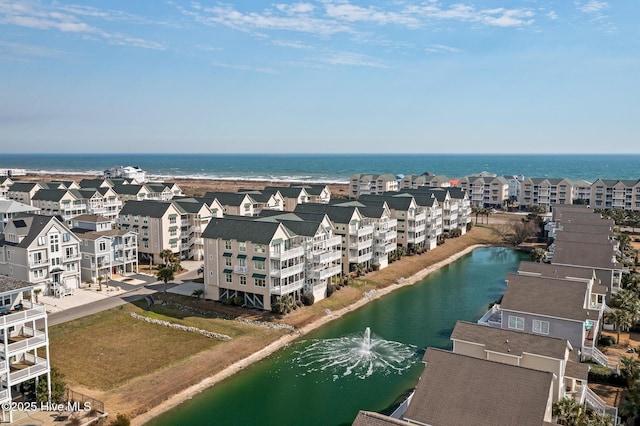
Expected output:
(238, 301)
(308, 299)
(121, 420)
(606, 341)
(330, 289)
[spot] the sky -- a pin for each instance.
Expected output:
(327, 76)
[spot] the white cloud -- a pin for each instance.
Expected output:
(592, 6)
(245, 68)
(69, 19)
(291, 44)
(24, 51)
(439, 48)
(348, 58)
(552, 15)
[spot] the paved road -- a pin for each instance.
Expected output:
(151, 287)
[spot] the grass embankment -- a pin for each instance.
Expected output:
(133, 366)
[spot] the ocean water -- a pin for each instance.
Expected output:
(334, 167)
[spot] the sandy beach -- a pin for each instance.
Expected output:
(285, 340)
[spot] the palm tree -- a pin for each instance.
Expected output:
(166, 255)
(630, 370)
(621, 318)
(197, 293)
(630, 404)
(100, 279)
(569, 412)
(165, 274)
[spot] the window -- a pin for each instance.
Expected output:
(66, 237)
(227, 245)
(54, 242)
(42, 241)
(145, 244)
(541, 327)
(173, 219)
(259, 248)
(228, 278)
(242, 246)
(173, 232)
(516, 323)
(243, 280)
(68, 252)
(227, 261)
(259, 282)
(174, 245)
(259, 264)
(102, 246)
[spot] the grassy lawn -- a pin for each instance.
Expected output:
(121, 347)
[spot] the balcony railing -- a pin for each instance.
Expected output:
(34, 313)
(287, 272)
(38, 340)
(37, 367)
(240, 269)
(287, 254)
(326, 257)
(323, 274)
(289, 288)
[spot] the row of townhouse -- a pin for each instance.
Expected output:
(492, 376)
(56, 258)
(525, 353)
(370, 184)
(104, 197)
(243, 251)
(24, 344)
(601, 194)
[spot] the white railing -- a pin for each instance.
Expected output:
(36, 312)
(5, 396)
(486, 318)
(362, 258)
(287, 254)
(595, 354)
(323, 274)
(39, 367)
(286, 289)
(240, 269)
(287, 272)
(327, 257)
(594, 401)
(34, 342)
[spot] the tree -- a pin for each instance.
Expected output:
(100, 279)
(538, 254)
(197, 293)
(120, 420)
(165, 275)
(630, 405)
(166, 255)
(620, 318)
(569, 412)
(58, 387)
(630, 370)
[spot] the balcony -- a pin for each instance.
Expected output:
(389, 235)
(492, 318)
(5, 396)
(385, 247)
(18, 317)
(287, 254)
(72, 257)
(30, 339)
(326, 257)
(286, 289)
(29, 368)
(287, 272)
(362, 231)
(353, 258)
(240, 270)
(40, 262)
(325, 273)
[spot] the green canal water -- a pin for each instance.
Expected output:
(326, 377)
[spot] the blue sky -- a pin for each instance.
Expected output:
(320, 76)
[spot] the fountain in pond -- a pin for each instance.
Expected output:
(358, 355)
